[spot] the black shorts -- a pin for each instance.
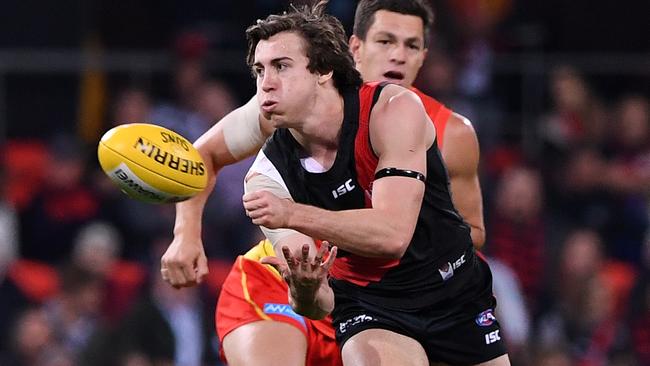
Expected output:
(463, 334)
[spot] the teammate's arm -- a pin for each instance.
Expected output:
(297, 258)
(461, 155)
(236, 136)
(400, 133)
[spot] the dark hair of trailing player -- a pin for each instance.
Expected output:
(366, 9)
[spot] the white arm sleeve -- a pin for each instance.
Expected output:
(241, 130)
(260, 182)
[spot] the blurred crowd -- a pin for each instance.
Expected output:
(567, 208)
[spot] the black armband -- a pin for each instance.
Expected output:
(394, 172)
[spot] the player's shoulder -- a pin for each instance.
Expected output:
(397, 90)
(396, 103)
(396, 97)
(460, 142)
(431, 104)
(427, 99)
(460, 127)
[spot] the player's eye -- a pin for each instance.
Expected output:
(281, 66)
(258, 71)
(383, 41)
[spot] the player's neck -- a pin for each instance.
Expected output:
(320, 128)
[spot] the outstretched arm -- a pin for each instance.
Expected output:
(238, 135)
(386, 229)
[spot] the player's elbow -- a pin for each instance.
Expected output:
(478, 237)
(401, 249)
(396, 247)
(396, 240)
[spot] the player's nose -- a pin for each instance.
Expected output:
(398, 54)
(269, 81)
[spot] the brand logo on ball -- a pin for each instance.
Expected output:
(162, 157)
(133, 185)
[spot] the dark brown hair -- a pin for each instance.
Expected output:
(325, 41)
(366, 9)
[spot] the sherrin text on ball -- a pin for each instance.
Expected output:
(152, 163)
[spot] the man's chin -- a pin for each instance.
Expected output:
(267, 115)
(276, 120)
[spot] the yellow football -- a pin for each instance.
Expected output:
(152, 163)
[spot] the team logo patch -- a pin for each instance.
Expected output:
(284, 310)
(447, 269)
(486, 318)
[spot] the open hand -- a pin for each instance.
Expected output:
(304, 276)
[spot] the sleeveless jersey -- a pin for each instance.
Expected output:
(441, 243)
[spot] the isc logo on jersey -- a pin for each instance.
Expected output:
(492, 337)
(152, 163)
(343, 188)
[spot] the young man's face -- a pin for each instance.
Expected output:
(284, 84)
(393, 50)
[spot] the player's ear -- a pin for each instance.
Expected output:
(323, 78)
(423, 57)
(355, 45)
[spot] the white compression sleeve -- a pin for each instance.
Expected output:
(261, 182)
(241, 130)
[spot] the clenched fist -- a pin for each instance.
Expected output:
(266, 209)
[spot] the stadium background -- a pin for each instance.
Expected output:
(558, 92)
